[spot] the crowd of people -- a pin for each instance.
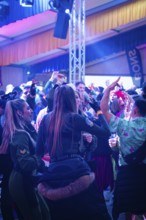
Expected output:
(63, 146)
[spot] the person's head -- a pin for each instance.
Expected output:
(18, 91)
(115, 107)
(80, 86)
(144, 90)
(113, 96)
(78, 100)
(139, 108)
(100, 89)
(64, 99)
(17, 115)
(132, 92)
(77, 96)
(19, 111)
(26, 91)
(64, 102)
(61, 77)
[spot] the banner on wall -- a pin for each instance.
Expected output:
(135, 66)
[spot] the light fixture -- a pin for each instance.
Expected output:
(67, 11)
(26, 3)
(54, 5)
(63, 9)
(57, 5)
(4, 3)
(4, 9)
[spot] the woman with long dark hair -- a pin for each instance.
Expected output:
(19, 139)
(69, 183)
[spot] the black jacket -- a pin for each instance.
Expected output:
(72, 128)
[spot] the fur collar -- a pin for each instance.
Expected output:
(72, 189)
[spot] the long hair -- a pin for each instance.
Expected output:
(13, 122)
(64, 102)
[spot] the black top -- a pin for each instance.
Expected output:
(73, 125)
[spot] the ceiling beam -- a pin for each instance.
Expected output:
(6, 37)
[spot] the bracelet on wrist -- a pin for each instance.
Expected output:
(99, 112)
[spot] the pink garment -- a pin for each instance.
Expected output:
(104, 175)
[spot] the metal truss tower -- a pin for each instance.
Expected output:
(77, 42)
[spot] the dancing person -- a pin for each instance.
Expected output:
(57, 78)
(19, 138)
(8, 209)
(69, 184)
(130, 190)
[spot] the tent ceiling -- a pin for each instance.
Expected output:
(40, 22)
(26, 26)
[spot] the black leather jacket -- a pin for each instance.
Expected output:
(71, 131)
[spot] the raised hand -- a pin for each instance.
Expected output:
(54, 75)
(115, 83)
(88, 137)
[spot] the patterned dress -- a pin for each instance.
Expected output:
(130, 185)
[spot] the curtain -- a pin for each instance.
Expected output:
(123, 42)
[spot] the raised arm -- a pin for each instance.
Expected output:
(50, 83)
(105, 100)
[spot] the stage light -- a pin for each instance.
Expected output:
(4, 3)
(63, 5)
(64, 9)
(4, 9)
(67, 11)
(62, 24)
(26, 3)
(54, 5)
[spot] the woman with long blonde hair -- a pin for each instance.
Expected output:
(19, 139)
